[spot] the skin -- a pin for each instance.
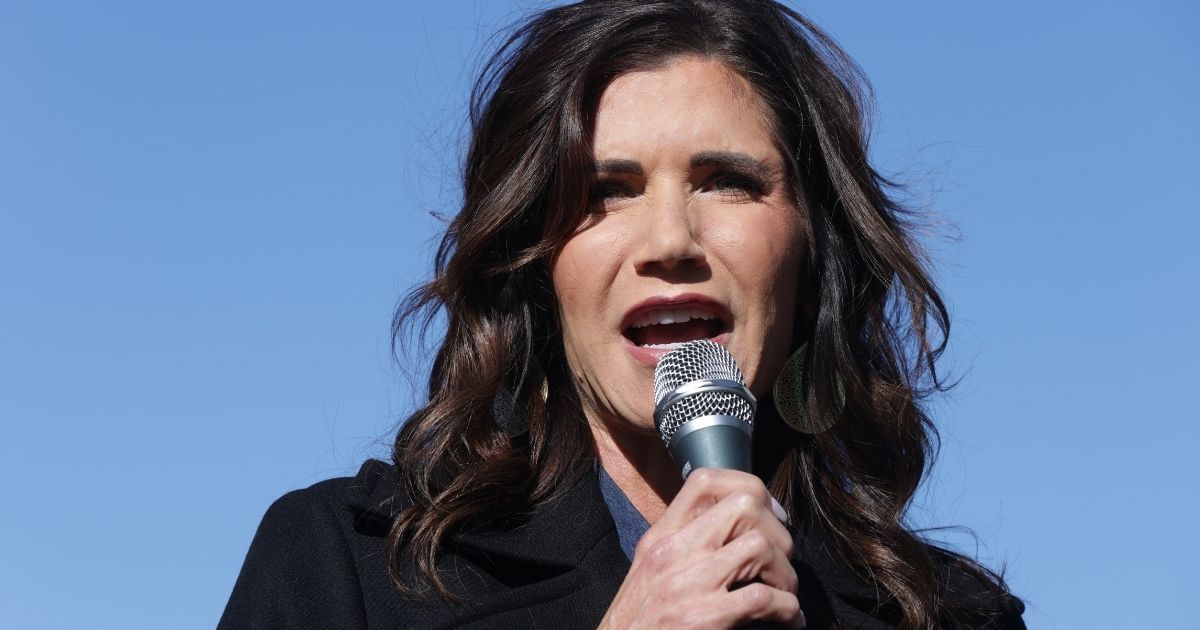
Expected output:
(690, 197)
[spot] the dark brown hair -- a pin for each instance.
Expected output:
(878, 328)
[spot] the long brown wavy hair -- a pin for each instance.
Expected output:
(878, 328)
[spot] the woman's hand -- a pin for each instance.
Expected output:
(718, 558)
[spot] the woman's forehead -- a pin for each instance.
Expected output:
(690, 103)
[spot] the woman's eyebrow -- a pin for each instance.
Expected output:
(616, 166)
(734, 160)
(728, 159)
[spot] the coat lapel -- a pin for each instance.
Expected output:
(559, 566)
(562, 564)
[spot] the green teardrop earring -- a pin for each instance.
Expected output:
(790, 397)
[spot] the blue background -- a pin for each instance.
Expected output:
(208, 211)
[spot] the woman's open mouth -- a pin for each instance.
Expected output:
(667, 328)
(658, 326)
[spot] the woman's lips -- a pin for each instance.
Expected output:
(657, 325)
(649, 355)
(694, 304)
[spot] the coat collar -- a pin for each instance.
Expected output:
(557, 534)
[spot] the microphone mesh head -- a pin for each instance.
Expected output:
(694, 361)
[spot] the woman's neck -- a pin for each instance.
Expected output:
(640, 465)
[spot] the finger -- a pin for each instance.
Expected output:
(753, 556)
(759, 601)
(734, 516)
(704, 488)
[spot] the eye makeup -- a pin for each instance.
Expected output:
(734, 175)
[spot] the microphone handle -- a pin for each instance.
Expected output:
(711, 442)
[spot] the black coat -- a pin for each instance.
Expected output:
(319, 561)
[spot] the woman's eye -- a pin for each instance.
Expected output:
(737, 186)
(602, 191)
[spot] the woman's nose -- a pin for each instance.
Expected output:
(668, 237)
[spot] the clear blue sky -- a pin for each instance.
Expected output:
(208, 211)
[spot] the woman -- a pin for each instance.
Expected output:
(642, 174)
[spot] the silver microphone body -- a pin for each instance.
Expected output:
(703, 410)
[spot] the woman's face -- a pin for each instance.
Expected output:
(693, 235)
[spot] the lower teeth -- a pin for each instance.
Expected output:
(663, 346)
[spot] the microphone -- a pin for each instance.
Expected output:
(702, 408)
(705, 414)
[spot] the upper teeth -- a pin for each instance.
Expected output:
(670, 316)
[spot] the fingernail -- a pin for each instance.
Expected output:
(779, 511)
(803, 620)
